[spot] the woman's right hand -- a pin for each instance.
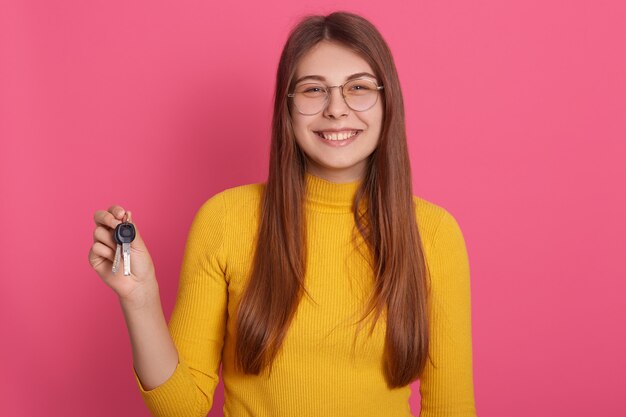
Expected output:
(136, 289)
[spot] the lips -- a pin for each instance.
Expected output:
(338, 135)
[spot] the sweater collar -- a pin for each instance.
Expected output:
(324, 195)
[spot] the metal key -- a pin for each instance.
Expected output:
(124, 234)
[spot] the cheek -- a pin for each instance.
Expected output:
(375, 121)
(379, 114)
(300, 131)
(301, 128)
(378, 121)
(297, 122)
(374, 116)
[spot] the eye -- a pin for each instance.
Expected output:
(311, 90)
(361, 86)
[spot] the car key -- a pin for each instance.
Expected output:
(124, 234)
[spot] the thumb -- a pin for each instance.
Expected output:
(138, 242)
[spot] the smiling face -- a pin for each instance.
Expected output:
(338, 140)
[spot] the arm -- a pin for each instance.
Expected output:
(198, 321)
(154, 354)
(447, 387)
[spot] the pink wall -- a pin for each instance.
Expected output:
(516, 125)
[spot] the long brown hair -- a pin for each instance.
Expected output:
(387, 225)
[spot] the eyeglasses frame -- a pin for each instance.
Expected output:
(328, 92)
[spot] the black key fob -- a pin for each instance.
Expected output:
(124, 233)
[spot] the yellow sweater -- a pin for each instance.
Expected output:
(317, 373)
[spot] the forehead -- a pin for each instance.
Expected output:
(332, 61)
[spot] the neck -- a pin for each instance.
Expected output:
(325, 195)
(339, 176)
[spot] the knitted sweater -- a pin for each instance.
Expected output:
(320, 371)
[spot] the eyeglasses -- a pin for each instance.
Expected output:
(359, 94)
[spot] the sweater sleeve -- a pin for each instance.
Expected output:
(446, 385)
(198, 321)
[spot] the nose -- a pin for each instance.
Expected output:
(336, 105)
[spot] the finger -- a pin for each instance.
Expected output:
(117, 211)
(99, 263)
(104, 235)
(103, 251)
(138, 241)
(105, 218)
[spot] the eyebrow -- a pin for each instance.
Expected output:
(320, 78)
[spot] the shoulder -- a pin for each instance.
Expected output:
(230, 212)
(246, 196)
(436, 224)
(241, 198)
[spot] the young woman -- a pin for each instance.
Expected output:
(326, 290)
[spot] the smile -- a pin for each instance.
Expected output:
(337, 135)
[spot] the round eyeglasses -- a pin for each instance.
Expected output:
(311, 98)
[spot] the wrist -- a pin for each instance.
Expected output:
(141, 298)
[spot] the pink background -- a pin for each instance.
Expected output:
(516, 125)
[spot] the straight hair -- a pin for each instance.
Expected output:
(387, 223)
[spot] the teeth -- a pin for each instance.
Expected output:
(337, 136)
